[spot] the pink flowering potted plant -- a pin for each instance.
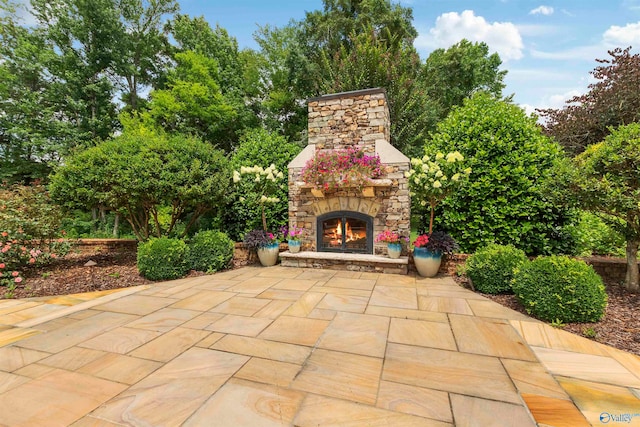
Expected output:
(394, 242)
(266, 245)
(293, 236)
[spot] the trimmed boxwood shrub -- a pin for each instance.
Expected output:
(491, 268)
(558, 288)
(209, 251)
(162, 259)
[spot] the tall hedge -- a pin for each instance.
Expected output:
(262, 148)
(506, 199)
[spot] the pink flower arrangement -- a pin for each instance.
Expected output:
(390, 237)
(333, 169)
(293, 233)
(421, 241)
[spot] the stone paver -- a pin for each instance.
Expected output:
(290, 346)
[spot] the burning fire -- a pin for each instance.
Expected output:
(349, 234)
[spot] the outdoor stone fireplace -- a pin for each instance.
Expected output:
(347, 219)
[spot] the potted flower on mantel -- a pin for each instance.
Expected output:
(394, 242)
(336, 169)
(431, 179)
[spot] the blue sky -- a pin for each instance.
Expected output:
(548, 47)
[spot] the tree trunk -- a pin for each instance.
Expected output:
(433, 211)
(631, 281)
(94, 217)
(116, 226)
(264, 219)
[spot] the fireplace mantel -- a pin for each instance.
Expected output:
(367, 190)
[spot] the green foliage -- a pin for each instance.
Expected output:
(192, 102)
(142, 52)
(262, 148)
(209, 251)
(454, 74)
(29, 231)
(506, 199)
(606, 179)
(492, 267)
(595, 236)
(139, 173)
(163, 258)
(282, 76)
(29, 211)
(560, 288)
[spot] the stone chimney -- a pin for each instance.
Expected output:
(341, 120)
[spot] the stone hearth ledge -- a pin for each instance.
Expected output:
(346, 261)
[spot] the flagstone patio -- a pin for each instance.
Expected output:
(289, 346)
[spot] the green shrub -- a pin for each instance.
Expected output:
(209, 251)
(162, 259)
(506, 199)
(558, 288)
(594, 236)
(491, 268)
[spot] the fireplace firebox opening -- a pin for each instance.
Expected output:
(344, 231)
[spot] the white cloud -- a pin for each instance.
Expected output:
(542, 10)
(627, 35)
(614, 36)
(529, 109)
(559, 100)
(501, 37)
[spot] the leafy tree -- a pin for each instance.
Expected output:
(261, 148)
(195, 34)
(506, 199)
(284, 80)
(454, 74)
(28, 143)
(192, 102)
(299, 58)
(142, 46)
(332, 28)
(139, 173)
(84, 35)
(606, 179)
(613, 100)
(373, 61)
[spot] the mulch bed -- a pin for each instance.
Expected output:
(620, 327)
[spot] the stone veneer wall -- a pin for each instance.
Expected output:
(340, 121)
(354, 118)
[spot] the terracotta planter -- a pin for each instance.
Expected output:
(294, 246)
(268, 255)
(427, 263)
(394, 250)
